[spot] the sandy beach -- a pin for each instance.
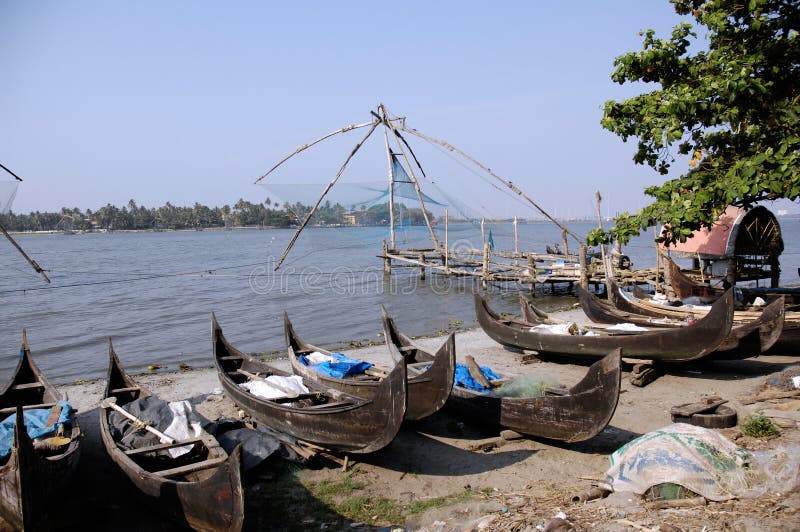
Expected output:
(516, 486)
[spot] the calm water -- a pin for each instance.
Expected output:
(153, 293)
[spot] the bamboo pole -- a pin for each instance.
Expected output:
(32, 262)
(565, 242)
(483, 232)
(516, 236)
(391, 176)
(387, 262)
(606, 262)
(509, 184)
(446, 242)
(414, 180)
(306, 146)
(658, 257)
(324, 192)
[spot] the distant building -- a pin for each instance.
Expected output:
(350, 218)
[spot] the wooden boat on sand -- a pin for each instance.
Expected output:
(428, 388)
(745, 339)
(577, 414)
(685, 287)
(668, 345)
(201, 489)
(324, 416)
(36, 473)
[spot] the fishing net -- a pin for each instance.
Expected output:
(8, 191)
(527, 386)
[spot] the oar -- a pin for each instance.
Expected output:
(288, 391)
(476, 372)
(111, 402)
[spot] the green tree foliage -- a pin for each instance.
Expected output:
(732, 109)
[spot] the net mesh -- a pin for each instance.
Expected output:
(8, 191)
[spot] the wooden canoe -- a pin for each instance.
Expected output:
(580, 414)
(668, 345)
(745, 339)
(788, 341)
(428, 390)
(684, 287)
(325, 417)
(202, 489)
(31, 479)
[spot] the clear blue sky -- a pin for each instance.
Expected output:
(104, 101)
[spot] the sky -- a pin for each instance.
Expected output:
(107, 101)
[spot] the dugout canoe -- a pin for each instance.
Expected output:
(201, 489)
(428, 386)
(325, 417)
(668, 345)
(745, 339)
(684, 287)
(32, 478)
(577, 415)
(787, 342)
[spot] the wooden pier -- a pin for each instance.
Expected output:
(523, 268)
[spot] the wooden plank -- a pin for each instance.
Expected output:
(768, 395)
(12, 409)
(27, 386)
(125, 390)
(691, 409)
(476, 372)
(162, 447)
(191, 468)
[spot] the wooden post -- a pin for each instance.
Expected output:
(565, 241)
(658, 257)
(532, 272)
(446, 243)
(422, 266)
(584, 267)
(774, 271)
(516, 237)
(483, 232)
(485, 262)
(387, 262)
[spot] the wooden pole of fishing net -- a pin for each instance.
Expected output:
(32, 262)
(413, 177)
(324, 192)
(509, 184)
(391, 176)
(306, 146)
(606, 260)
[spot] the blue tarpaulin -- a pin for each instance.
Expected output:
(465, 380)
(339, 368)
(35, 421)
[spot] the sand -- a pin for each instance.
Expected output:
(430, 458)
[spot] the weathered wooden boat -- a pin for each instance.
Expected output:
(428, 389)
(577, 414)
(789, 338)
(325, 417)
(685, 287)
(667, 345)
(745, 339)
(201, 489)
(32, 478)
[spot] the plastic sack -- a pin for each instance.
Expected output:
(696, 458)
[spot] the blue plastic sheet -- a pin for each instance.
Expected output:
(340, 367)
(465, 380)
(35, 421)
